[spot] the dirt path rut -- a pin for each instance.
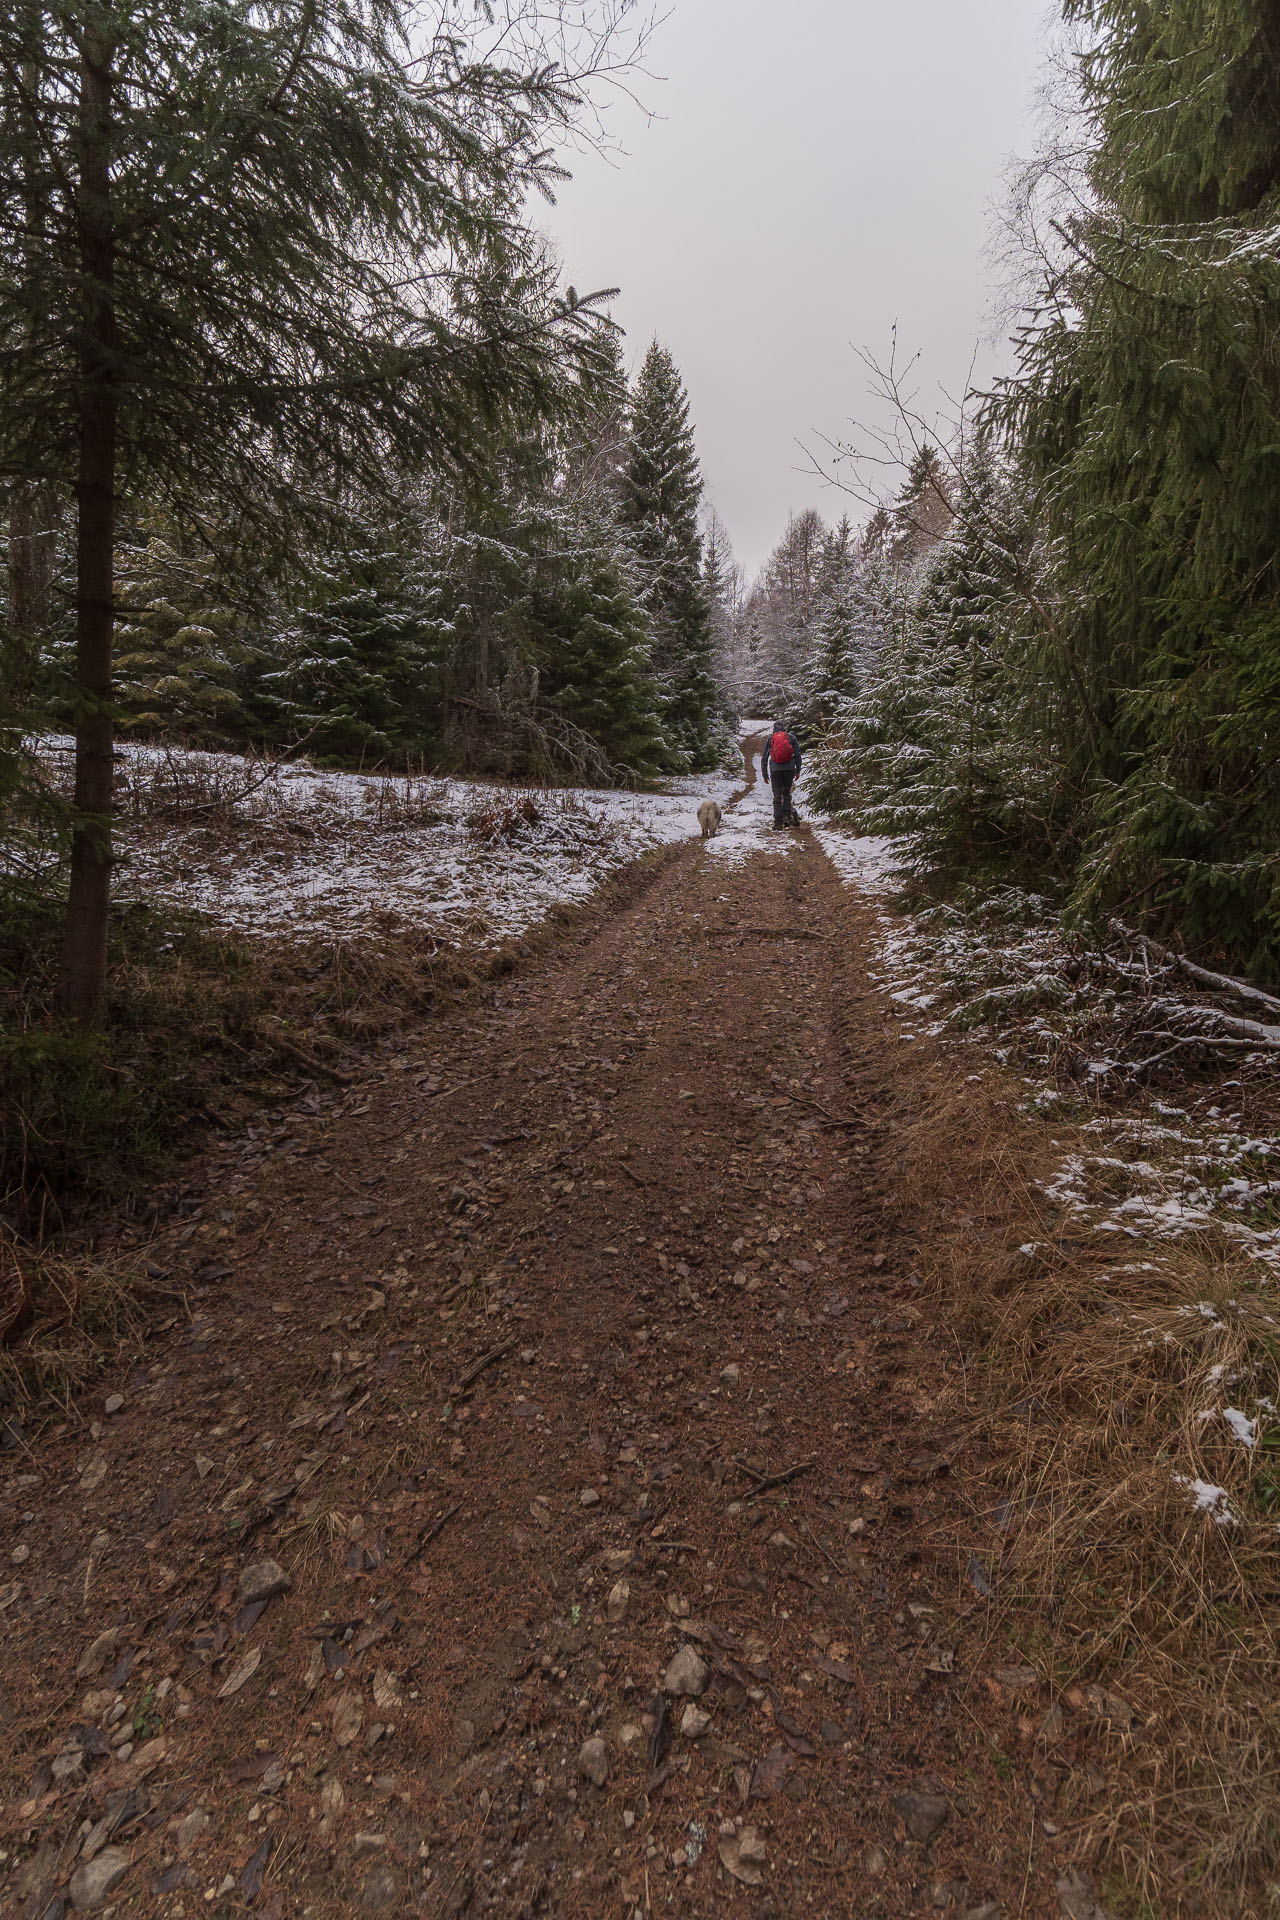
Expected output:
(572, 1373)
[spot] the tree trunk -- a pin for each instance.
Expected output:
(84, 949)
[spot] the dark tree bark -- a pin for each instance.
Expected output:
(84, 950)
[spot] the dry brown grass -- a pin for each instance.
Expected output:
(80, 1309)
(1152, 1625)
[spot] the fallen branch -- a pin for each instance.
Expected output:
(1205, 977)
(308, 1060)
(1252, 1032)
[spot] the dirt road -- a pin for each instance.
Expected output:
(571, 1370)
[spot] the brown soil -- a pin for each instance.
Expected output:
(458, 1350)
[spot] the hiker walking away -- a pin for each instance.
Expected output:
(780, 765)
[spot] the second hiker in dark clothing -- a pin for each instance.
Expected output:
(780, 765)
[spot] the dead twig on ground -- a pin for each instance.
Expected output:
(767, 1481)
(312, 1064)
(473, 1372)
(832, 1119)
(429, 1533)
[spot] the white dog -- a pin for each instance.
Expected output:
(709, 819)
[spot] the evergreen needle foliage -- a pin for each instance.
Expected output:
(661, 493)
(257, 255)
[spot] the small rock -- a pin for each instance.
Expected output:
(68, 1768)
(262, 1580)
(589, 1497)
(241, 1674)
(1075, 1891)
(687, 1673)
(204, 1466)
(876, 1862)
(348, 1716)
(616, 1605)
(379, 1889)
(21, 1554)
(948, 1893)
(113, 1403)
(731, 1375)
(190, 1827)
(1018, 1679)
(989, 1910)
(96, 1879)
(386, 1690)
(332, 1801)
(694, 1722)
(95, 1471)
(743, 1855)
(781, 1543)
(629, 1734)
(617, 1559)
(593, 1761)
(95, 1657)
(368, 1843)
(922, 1813)
(528, 1355)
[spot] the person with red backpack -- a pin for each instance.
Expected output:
(780, 765)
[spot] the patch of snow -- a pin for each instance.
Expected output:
(747, 829)
(317, 854)
(862, 860)
(1215, 1501)
(1244, 1429)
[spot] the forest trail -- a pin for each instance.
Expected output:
(573, 1352)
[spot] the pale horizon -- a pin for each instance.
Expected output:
(796, 195)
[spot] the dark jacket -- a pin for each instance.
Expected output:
(792, 768)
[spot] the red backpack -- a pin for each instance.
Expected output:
(781, 751)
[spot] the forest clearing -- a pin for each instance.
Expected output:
(639, 1163)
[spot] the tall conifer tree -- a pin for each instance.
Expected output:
(661, 494)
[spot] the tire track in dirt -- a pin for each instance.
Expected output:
(650, 1186)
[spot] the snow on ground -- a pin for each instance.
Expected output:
(861, 860)
(996, 981)
(311, 853)
(748, 828)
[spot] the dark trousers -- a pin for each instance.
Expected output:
(781, 784)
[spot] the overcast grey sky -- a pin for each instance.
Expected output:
(813, 174)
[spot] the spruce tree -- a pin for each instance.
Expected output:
(661, 494)
(254, 253)
(1147, 402)
(582, 626)
(180, 641)
(354, 669)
